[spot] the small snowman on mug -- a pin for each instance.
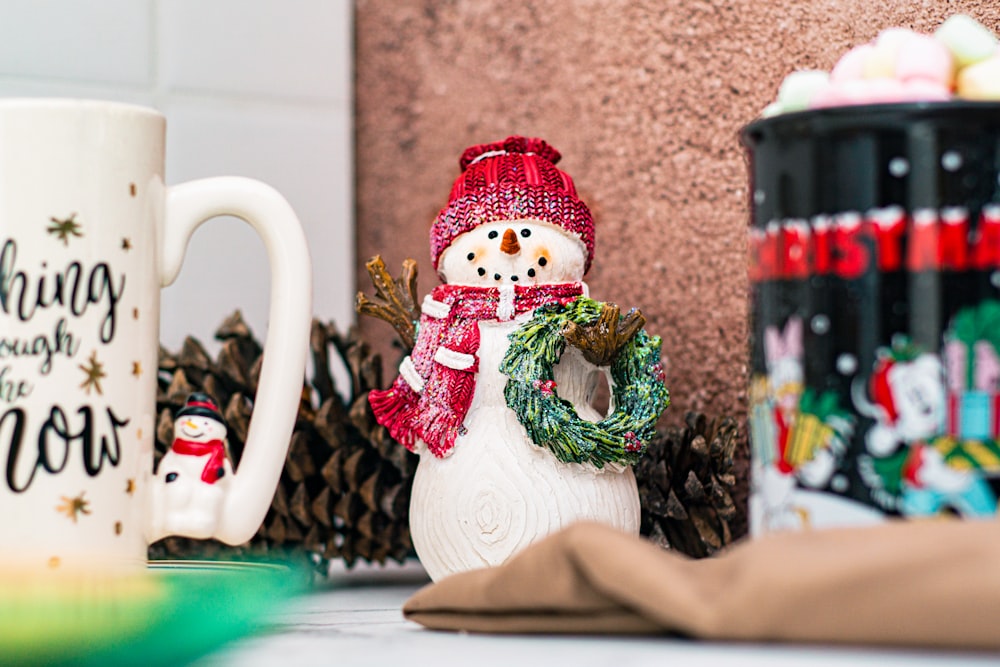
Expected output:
(193, 476)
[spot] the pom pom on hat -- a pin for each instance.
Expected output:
(513, 179)
(511, 145)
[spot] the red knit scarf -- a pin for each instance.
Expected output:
(216, 450)
(436, 414)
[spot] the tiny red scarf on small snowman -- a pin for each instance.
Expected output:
(216, 449)
(437, 412)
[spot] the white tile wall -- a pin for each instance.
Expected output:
(303, 154)
(193, 57)
(105, 41)
(257, 88)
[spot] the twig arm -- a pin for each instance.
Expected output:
(395, 300)
(601, 340)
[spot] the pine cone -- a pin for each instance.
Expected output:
(345, 489)
(686, 483)
(344, 492)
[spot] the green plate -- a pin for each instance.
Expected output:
(172, 614)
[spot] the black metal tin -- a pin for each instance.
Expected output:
(875, 313)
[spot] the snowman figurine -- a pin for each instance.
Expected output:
(514, 237)
(193, 476)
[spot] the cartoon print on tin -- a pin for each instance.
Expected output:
(932, 445)
(800, 435)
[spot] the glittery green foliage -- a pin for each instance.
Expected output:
(639, 395)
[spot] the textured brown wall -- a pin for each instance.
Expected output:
(644, 99)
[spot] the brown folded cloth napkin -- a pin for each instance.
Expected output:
(907, 583)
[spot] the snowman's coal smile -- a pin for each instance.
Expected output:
(513, 277)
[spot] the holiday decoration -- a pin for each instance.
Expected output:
(88, 238)
(193, 476)
(685, 477)
(686, 484)
(636, 374)
(491, 397)
(874, 352)
(344, 491)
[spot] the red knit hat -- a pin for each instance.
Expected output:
(513, 179)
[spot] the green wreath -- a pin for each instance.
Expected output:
(639, 395)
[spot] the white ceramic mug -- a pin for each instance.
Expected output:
(88, 236)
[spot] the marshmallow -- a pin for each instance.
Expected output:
(980, 81)
(886, 91)
(772, 109)
(921, 90)
(891, 38)
(880, 63)
(881, 60)
(800, 87)
(852, 64)
(828, 97)
(853, 91)
(880, 91)
(968, 40)
(962, 59)
(925, 58)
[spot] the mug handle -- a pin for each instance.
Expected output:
(280, 388)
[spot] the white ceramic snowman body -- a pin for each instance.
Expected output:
(497, 492)
(183, 501)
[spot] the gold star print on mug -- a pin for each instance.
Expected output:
(64, 229)
(74, 507)
(95, 373)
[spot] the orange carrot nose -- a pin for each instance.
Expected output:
(510, 244)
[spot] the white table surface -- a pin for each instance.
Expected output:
(356, 620)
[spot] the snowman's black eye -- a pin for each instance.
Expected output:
(531, 273)
(471, 256)
(525, 233)
(493, 234)
(496, 276)
(171, 477)
(482, 271)
(542, 261)
(513, 278)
